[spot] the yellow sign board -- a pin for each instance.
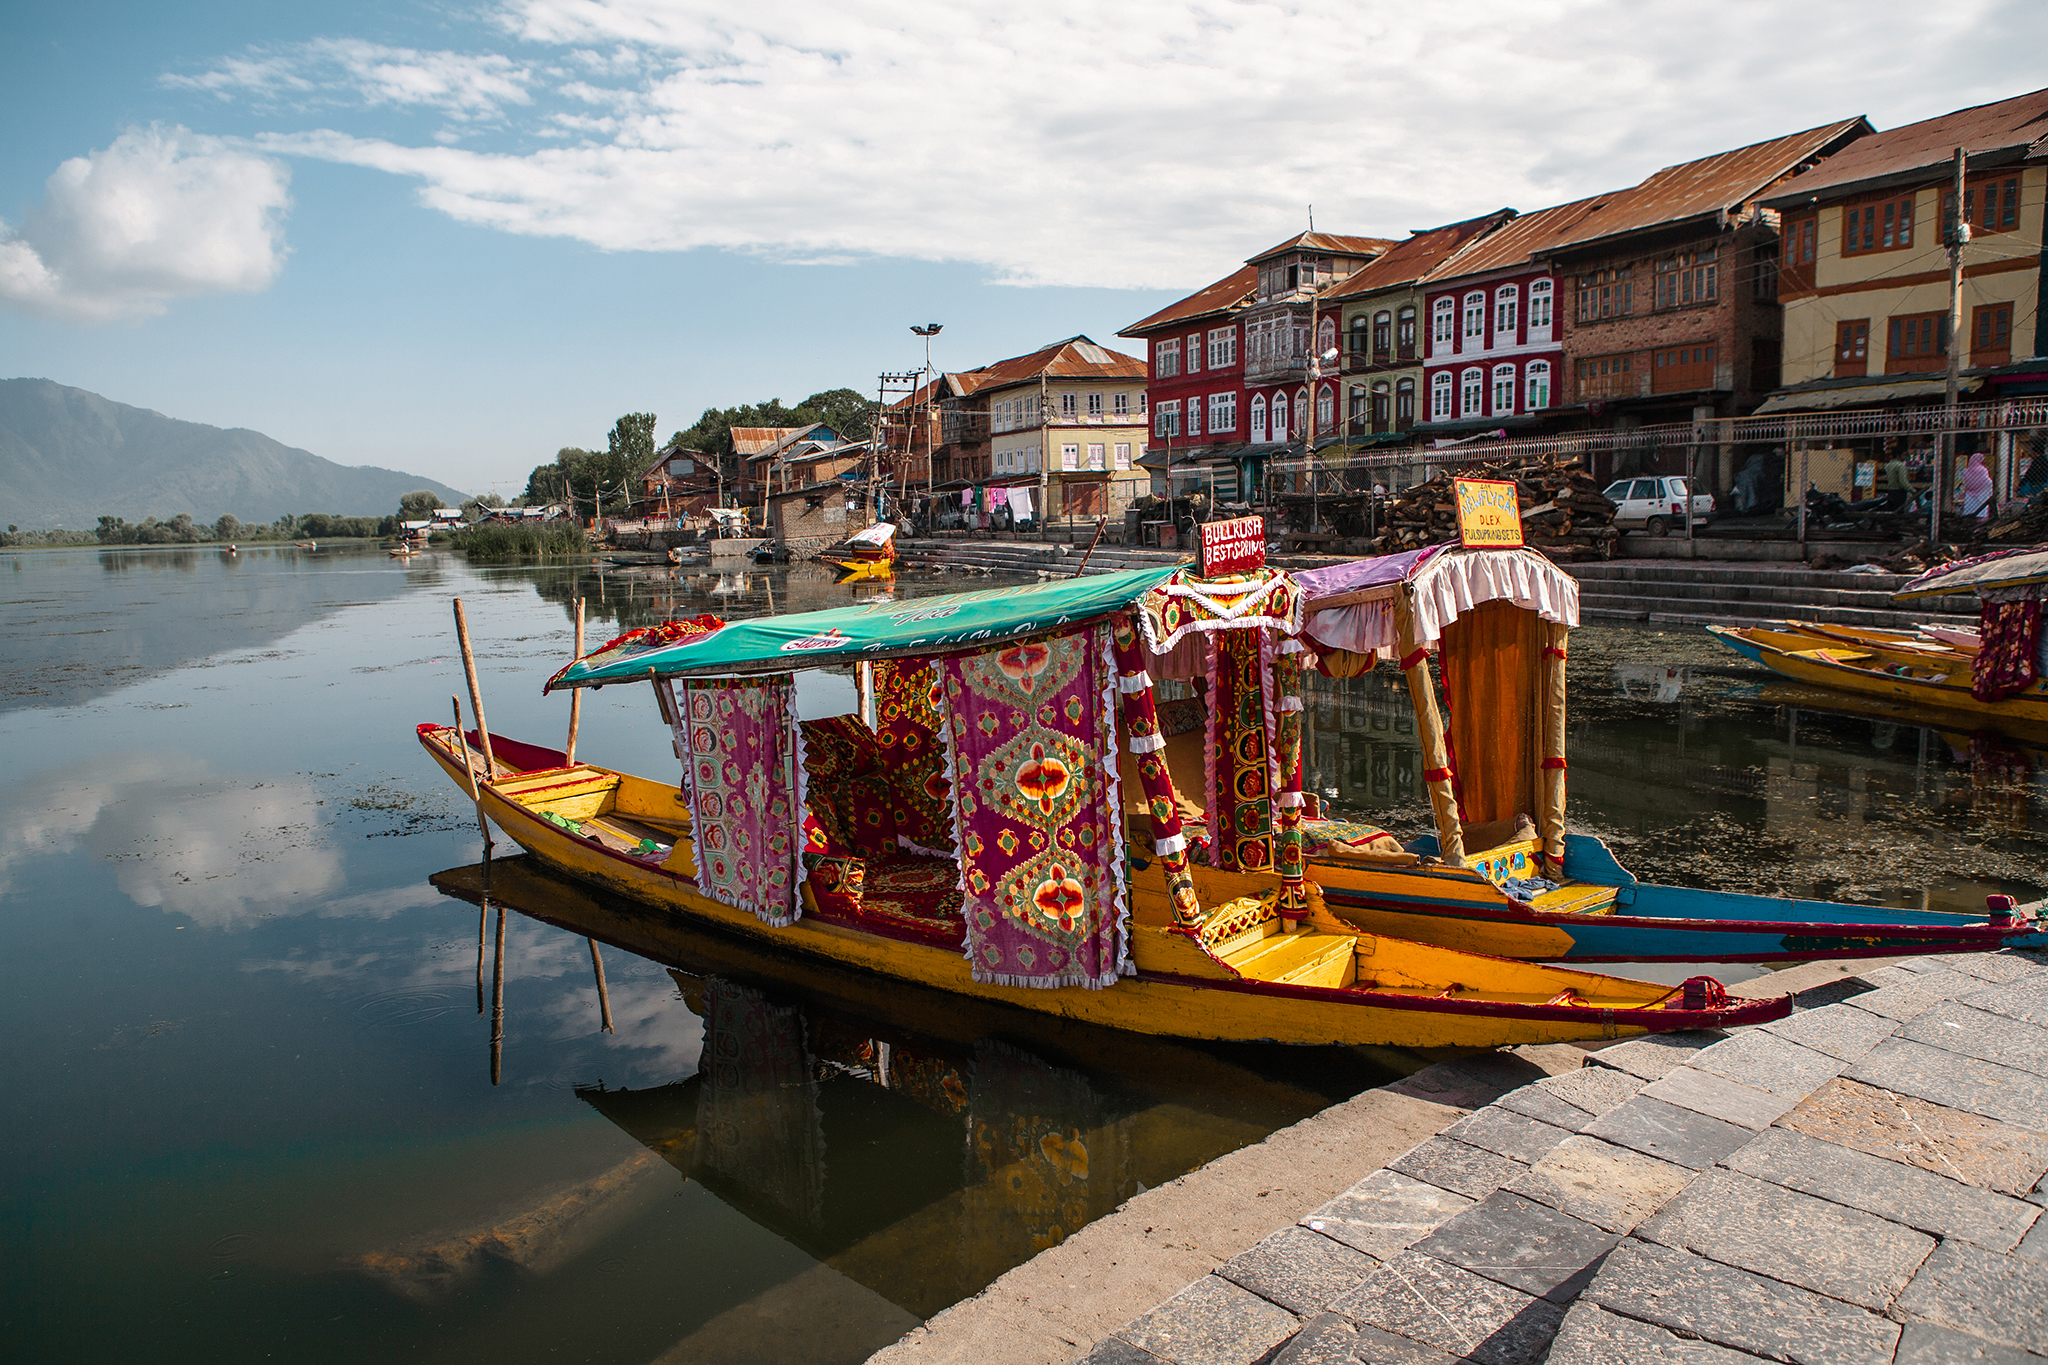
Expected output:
(1489, 512)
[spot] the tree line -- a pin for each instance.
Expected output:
(185, 529)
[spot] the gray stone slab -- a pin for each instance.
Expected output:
(1881, 978)
(1914, 996)
(1298, 1269)
(1211, 1322)
(1384, 1213)
(1117, 1351)
(1649, 1058)
(1969, 1289)
(1608, 1186)
(1703, 1092)
(1958, 1026)
(2000, 966)
(1967, 1147)
(2025, 999)
(1837, 1030)
(1519, 1242)
(1457, 1166)
(1454, 1310)
(1769, 1062)
(1537, 1102)
(1666, 1131)
(1595, 1089)
(1926, 1344)
(1943, 1077)
(1904, 1194)
(2034, 1246)
(1736, 1309)
(1507, 1134)
(1756, 1226)
(1592, 1337)
(1331, 1339)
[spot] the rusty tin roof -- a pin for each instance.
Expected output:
(1909, 153)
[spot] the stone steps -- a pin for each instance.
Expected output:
(1693, 594)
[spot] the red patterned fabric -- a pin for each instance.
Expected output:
(913, 755)
(1240, 778)
(1142, 725)
(2007, 662)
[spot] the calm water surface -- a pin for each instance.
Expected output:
(247, 969)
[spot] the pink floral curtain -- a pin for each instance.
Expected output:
(743, 760)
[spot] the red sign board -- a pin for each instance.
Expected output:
(1235, 546)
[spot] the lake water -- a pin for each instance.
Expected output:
(248, 979)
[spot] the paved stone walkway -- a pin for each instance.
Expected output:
(1856, 1184)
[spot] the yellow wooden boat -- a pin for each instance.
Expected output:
(1181, 950)
(1937, 680)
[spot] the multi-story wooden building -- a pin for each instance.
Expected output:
(1863, 271)
(1378, 316)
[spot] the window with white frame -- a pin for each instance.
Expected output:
(1259, 417)
(1440, 396)
(1507, 301)
(1279, 430)
(1539, 308)
(1537, 379)
(1301, 412)
(1095, 454)
(1471, 392)
(1326, 336)
(1121, 405)
(1222, 412)
(1166, 419)
(1326, 408)
(1475, 322)
(1070, 405)
(1194, 353)
(1191, 418)
(1443, 326)
(1123, 454)
(1165, 359)
(1095, 405)
(1222, 348)
(1503, 390)
(1142, 400)
(1070, 458)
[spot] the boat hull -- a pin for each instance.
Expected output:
(1950, 695)
(1173, 1003)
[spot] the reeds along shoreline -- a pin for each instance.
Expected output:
(502, 542)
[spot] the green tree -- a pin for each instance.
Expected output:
(229, 527)
(851, 416)
(476, 507)
(418, 505)
(632, 441)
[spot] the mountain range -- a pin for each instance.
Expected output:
(69, 457)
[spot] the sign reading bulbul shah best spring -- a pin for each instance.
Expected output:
(1489, 512)
(1235, 546)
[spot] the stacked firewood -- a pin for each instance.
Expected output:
(1564, 513)
(2021, 523)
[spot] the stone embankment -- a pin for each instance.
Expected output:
(1693, 593)
(1859, 1182)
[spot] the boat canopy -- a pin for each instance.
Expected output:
(1351, 606)
(881, 533)
(872, 630)
(2005, 569)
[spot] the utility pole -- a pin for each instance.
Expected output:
(928, 331)
(1957, 234)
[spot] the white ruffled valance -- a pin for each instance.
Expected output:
(1445, 588)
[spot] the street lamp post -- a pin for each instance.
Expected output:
(928, 331)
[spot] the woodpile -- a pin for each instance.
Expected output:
(2021, 523)
(1564, 513)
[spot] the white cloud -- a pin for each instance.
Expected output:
(1148, 143)
(461, 85)
(163, 213)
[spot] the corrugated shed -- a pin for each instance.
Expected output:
(1726, 180)
(1411, 260)
(1220, 297)
(2013, 124)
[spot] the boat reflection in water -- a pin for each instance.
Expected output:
(913, 1142)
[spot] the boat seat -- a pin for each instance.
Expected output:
(1575, 898)
(1304, 957)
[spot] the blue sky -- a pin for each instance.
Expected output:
(451, 238)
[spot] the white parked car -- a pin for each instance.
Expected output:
(1655, 505)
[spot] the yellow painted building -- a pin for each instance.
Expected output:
(1863, 271)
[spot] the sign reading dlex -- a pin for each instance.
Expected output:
(1235, 546)
(1489, 512)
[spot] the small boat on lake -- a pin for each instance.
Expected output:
(865, 554)
(1002, 824)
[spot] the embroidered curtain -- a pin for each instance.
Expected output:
(743, 760)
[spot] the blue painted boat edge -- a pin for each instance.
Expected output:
(1726, 636)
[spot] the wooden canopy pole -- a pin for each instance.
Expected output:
(1550, 780)
(575, 693)
(476, 696)
(1429, 728)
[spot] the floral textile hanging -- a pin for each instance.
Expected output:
(743, 759)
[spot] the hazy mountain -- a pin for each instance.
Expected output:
(68, 457)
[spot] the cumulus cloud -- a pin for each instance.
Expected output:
(1148, 143)
(162, 213)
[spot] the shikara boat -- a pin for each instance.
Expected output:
(976, 834)
(866, 554)
(1934, 677)
(1501, 874)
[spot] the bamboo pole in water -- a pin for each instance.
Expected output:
(575, 693)
(476, 695)
(498, 1004)
(469, 769)
(604, 999)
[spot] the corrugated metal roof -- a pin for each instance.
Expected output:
(1325, 241)
(1075, 358)
(753, 440)
(1411, 260)
(1726, 180)
(1219, 297)
(2005, 125)
(1524, 239)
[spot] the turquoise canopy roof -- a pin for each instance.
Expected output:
(873, 630)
